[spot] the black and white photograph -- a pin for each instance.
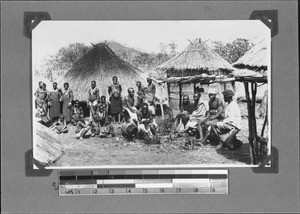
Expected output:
(177, 93)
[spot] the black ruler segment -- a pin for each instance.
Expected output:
(100, 177)
(64, 178)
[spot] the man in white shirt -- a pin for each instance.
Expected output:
(226, 129)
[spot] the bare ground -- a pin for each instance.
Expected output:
(117, 151)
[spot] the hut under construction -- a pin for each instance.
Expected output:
(197, 63)
(100, 63)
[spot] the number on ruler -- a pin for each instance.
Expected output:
(196, 190)
(145, 190)
(128, 190)
(111, 190)
(178, 189)
(95, 191)
(162, 190)
(55, 186)
(70, 191)
(213, 189)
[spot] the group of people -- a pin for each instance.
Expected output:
(138, 111)
(58, 107)
(210, 121)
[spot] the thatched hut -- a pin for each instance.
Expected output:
(100, 63)
(255, 59)
(254, 67)
(197, 63)
(47, 147)
(37, 77)
(197, 58)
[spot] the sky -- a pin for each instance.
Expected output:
(49, 36)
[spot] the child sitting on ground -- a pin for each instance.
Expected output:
(60, 126)
(102, 114)
(109, 131)
(92, 124)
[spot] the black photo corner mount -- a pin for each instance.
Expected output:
(32, 19)
(269, 164)
(270, 19)
(30, 162)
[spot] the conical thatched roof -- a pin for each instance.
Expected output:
(255, 58)
(37, 77)
(195, 59)
(100, 63)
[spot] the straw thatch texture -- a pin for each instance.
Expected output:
(100, 63)
(196, 59)
(37, 77)
(47, 147)
(256, 58)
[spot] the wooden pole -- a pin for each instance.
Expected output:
(254, 127)
(224, 86)
(180, 95)
(169, 92)
(253, 161)
(265, 123)
(161, 103)
(194, 87)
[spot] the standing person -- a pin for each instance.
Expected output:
(67, 98)
(150, 95)
(42, 103)
(77, 113)
(198, 115)
(140, 94)
(54, 98)
(129, 104)
(226, 129)
(36, 93)
(115, 98)
(93, 98)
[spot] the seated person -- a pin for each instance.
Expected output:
(103, 104)
(147, 126)
(198, 115)
(60, 125)
(109, 132)
(91, 124)
(215, 111)
(129, 129)
(226, 129)
(76, 113)
(102, 113)
(129, 104)
(183, 117)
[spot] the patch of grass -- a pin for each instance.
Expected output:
(165, 125)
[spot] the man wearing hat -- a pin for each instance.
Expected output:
(226, 129)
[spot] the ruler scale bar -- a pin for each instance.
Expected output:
(126, 182)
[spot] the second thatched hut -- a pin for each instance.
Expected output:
(197, 63)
